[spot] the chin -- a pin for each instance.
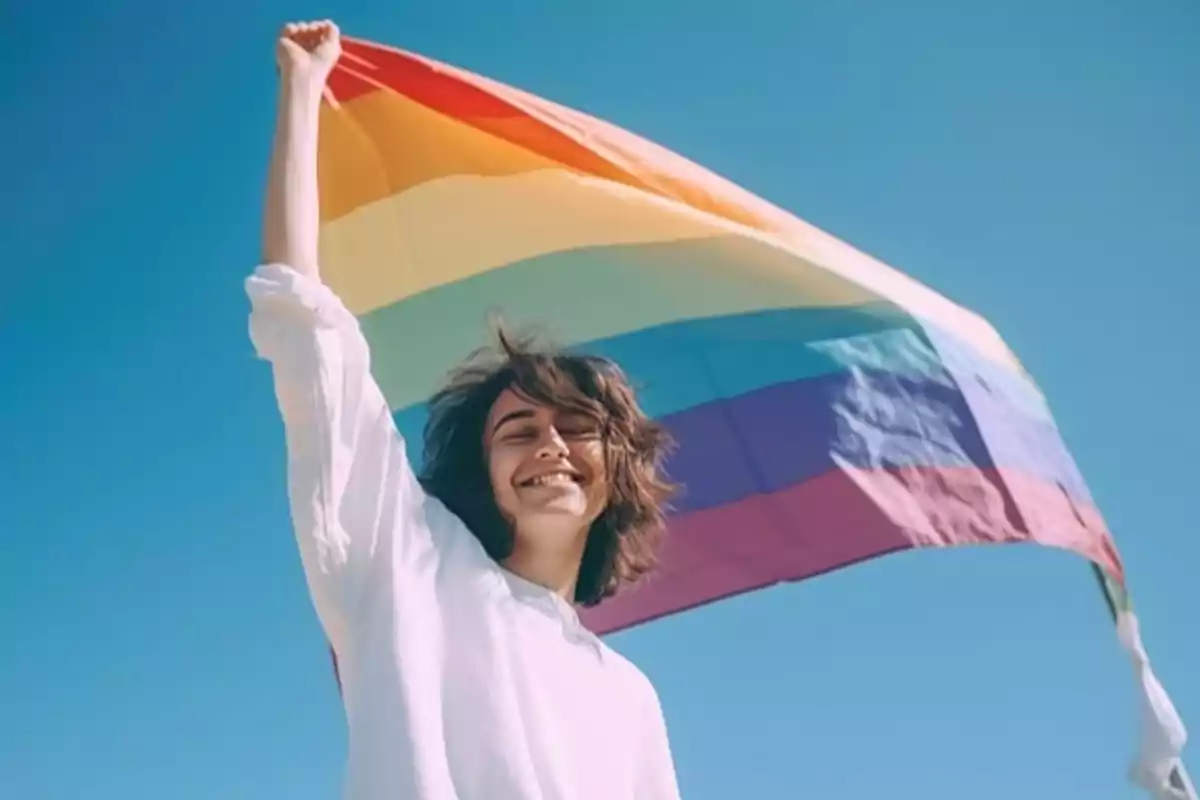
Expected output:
(566, 507)
(560, 502)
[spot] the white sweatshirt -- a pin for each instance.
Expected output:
(461, 680)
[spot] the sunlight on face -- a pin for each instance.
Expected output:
(546, 466)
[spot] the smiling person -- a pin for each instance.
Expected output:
(450, 598)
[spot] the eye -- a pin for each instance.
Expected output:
(521, 435)
(579, 429)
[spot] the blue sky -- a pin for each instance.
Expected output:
(1037, 161)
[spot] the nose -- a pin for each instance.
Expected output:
(551, 445)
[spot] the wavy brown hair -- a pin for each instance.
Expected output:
(622, 543)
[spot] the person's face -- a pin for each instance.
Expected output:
(546, 465)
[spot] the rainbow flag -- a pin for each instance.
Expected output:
(828, 408)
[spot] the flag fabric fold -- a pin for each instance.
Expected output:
(1157, 764)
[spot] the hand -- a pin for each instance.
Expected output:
(308, 49)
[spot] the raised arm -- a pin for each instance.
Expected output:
(305, 53)
(357, 508)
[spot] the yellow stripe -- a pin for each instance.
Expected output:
(450, 229)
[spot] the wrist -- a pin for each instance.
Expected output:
(302, 85)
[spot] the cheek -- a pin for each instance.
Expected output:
(594, 456)
(501, 468)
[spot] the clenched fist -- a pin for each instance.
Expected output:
(308, 49)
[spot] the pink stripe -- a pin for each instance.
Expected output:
(844, 517)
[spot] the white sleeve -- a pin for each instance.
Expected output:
(356, 505)
(656, 779)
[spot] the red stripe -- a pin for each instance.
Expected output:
(414, 78)
(366, 66)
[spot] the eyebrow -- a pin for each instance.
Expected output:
(522, 413)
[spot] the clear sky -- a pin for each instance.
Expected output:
(1037, 160)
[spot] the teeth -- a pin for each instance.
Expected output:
(552, 478)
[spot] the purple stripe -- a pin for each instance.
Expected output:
(764, 441)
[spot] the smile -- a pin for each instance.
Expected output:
(553, 479)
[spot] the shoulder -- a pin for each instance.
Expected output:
(635, 683)
(457, 543)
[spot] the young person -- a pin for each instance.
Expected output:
(449, 598)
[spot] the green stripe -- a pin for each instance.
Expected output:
(589, 294)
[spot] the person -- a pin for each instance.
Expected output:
(450, 597)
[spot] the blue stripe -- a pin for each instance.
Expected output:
(684, 364)
(693, 363)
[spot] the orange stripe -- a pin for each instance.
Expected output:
(383, 143)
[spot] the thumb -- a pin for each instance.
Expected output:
(291, 49)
